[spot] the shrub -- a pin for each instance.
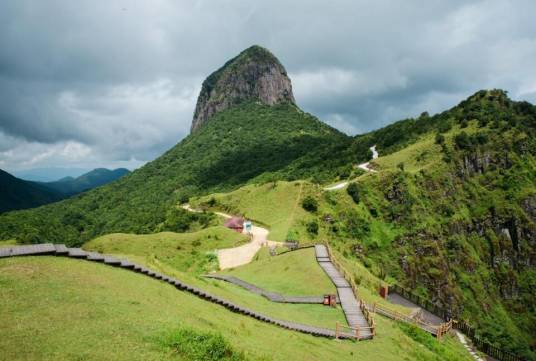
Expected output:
(180, 220)
(310, 204)
(312, 227)
(345, 172)
(444, 126)
(353, 191)
(184, 199)
(195, 345)
(439, 138)
(462, 141)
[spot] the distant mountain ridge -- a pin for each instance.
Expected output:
(49, 174)
(95, 178)
(18, 194)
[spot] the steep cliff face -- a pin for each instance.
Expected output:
(255, 74)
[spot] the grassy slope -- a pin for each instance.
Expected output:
(8, 243)
(276, 205)
(64, 309)
(425, 217)
(295, 273)
(190, 262)
(186, 252)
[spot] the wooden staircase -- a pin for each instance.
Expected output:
(355, 311)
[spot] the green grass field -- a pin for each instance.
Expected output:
(186, 252)
(159, 252)
(276, 205)
(65, 309)
(8, 243)
(294, 273)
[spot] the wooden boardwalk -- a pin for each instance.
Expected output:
(77, 253)
(272, 296)
(349, 303)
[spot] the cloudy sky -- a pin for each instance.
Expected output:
(114, 83)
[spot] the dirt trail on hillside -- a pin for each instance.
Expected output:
(238, 256)
(365, 166)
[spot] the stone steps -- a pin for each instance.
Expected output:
(349, 303)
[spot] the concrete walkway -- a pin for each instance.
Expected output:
(241, 255)
(349, 303)
(49, 249)
(425, 315)
(272, 296)
(465, 344)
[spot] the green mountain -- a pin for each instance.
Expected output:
(95, 178)
(16, 193)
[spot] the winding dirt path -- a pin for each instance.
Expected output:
(238, 256)
(364, 166)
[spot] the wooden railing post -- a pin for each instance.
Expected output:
(337, 330)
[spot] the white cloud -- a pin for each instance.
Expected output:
(343, 123)
(121, 85)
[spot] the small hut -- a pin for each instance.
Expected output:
(235, 223)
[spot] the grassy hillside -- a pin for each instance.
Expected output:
(190, 256)
(451, 214)
(295, 273)
(277, 205)
(16, 193)
(247, 143)
(99, 312)
(187, 252)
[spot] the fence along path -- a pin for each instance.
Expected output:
(61, 250)
(272, 296)
(350, 305)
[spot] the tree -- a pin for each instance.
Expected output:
(310, 204)
(439, 138)
(462, 141)
(312, 227)
(353, 191)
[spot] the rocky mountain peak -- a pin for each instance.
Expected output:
(254, 74)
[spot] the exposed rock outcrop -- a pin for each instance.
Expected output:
(255, 74)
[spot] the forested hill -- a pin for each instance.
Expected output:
(16, 193)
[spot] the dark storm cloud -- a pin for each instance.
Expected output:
(114, 83)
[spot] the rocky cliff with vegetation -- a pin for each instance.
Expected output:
(254, 75)
(450, 214)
